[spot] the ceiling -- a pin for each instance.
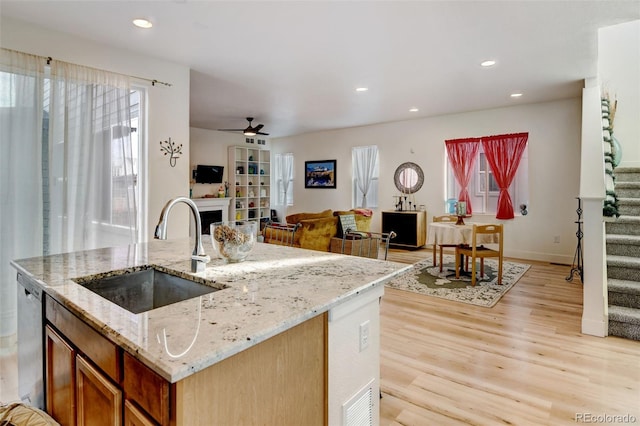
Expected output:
(295, 65)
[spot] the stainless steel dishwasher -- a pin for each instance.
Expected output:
(30, 342)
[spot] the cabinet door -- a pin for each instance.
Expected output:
(99, 400)
(410, 228)
(147, 389)
(61, 378)
(133, 416)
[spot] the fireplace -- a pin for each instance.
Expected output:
(207, 218)
(212, 210)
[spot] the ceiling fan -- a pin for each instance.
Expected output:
(250, 130)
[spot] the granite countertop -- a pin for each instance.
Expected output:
(273, 290)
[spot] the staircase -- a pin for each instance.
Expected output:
(623, 257)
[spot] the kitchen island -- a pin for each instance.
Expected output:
(290, 338)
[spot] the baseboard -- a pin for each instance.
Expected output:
(560, 259)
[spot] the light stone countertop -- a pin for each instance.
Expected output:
(274, 289)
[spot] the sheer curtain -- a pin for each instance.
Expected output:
(365, 161)
(462, 155)
(503, 153)
(93, 202)
(284, 178)
(21, 100)
(66, 178)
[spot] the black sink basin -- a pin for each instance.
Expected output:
(142, 290)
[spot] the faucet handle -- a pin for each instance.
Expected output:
(199, 263)
(204, 258)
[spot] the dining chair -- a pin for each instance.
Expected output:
(481, 233)
(447, 218)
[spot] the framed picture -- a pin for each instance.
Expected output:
(320, 174)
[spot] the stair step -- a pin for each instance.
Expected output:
(627, 174)
(623, 256)
(623, 267)
(629, 206)
(623, 293)
(623, 245)
(624, 322)
(624, 224)
(627, 189)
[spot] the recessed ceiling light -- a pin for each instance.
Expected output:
(414, 110)
(488, 63)
(142, 23)
(362, 89)
(516, 95)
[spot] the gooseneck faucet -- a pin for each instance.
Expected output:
(199, 259)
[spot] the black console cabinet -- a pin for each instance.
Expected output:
(410, 227)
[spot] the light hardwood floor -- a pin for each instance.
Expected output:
(522, 362)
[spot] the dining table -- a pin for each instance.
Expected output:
(451, 234)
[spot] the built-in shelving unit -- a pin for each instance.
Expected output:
(249, 181)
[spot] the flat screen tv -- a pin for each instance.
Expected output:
(209, 174)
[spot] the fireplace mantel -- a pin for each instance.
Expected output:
(209, 204)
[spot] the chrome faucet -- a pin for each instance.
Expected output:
(199, 259)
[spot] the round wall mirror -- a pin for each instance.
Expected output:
(408, 178)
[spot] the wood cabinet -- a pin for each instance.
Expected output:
(133, 416)
(87, 377)
(138, 381)
(282, 380)
(410, 228)
(99, 402)
(249, 183)
(60, 378)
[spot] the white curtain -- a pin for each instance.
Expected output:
(284, 178)
(93, 202)
(66, 170)
(21, 100)
(365, 166)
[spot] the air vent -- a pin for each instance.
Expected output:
(358, 411)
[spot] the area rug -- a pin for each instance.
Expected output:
(424, 278)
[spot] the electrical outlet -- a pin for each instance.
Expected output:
(364, 335)
(556, 239)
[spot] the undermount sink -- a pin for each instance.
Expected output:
(143, 289)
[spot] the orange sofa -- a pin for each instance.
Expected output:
(315, 230)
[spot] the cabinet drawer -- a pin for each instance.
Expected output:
(96, 347)
(147, 389)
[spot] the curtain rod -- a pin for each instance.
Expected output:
(153, 81)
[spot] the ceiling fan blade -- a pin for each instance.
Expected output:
(258, 128)
(264, 134)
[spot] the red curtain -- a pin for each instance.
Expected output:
(503, 153)
(462, 154)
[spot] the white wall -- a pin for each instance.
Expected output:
(554, 168)
(619, 72)
(210, 147)
(167, 108)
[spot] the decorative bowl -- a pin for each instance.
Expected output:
(233, 241)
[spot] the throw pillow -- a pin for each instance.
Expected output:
(347, 221)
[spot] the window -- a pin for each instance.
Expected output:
(284, 179)
(366, 169)
(121, 176)
(483, 188)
